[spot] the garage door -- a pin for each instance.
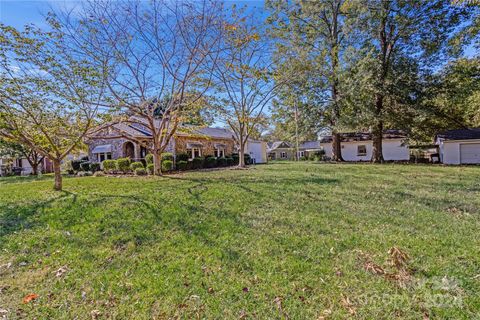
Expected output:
(470, 153)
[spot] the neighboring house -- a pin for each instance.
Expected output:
(119, 140)
(280, 150)
(307, 148)
(357, 146)
(459, 146)
(257, 150)
(22, 166)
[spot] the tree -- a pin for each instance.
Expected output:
(16, 150)
(152, 54)
(243, 76)
(396, 34)
(318, 33)
(48, 97)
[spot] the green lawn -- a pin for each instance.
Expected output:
(286, 240)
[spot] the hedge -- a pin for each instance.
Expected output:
(85, 166)
(76, 164)
(109, 165)
(167, 165)
(136, 165)
(230, 161)
(182, 157)
(182, 165)
(123, 165)
(197, 163)
(210, 162)
(140, 172)
(222, 162)
(94, 166)
(166, 156)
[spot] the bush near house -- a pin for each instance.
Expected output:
(167, 165)
(247, 159)
(94, 166)
(210, 162)
(182, 157)
(109, 165)
(149, 159)
(85, 166)
(136, 165)
(235, 158)
(123, 165)
(221, 162)
(140, 172)
(182, 165)
(230, 161)
(197, 163)
(75, 164)
(167, 156)
(150, 168)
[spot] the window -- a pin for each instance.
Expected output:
(301, 154)
(362, 150)
(283, 155)
(194, 152)
(220, 152)
(104, 156)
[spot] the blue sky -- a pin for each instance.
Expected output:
(17, 13)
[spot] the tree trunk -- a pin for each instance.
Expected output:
(241, 156)
(157, 163)
(336, 147)
(377, 132)
(58, 175)
(34, 168)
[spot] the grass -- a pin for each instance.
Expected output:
(286, 240)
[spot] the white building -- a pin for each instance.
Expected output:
(358, 146)
(257, 150)
(459, 146)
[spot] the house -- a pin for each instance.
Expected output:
(21, 166)
(460, 146)
(280, 150)
(307, 148)
(357, 146)
(257, 150)
(125, 139)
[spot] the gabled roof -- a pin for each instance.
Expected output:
(460, 134)
(278, 144)
(136, 128)
(365, 136)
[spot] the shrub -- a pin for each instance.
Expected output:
(182, 165)
(230, 161)
(150, 168)
(84, 174)
(136, 165)
(182, 157)
(303, 159)
(167, 156)
(140, 172)
(76, 164)
(247, 159)
(197, 163)
(85, 166)
(99, 174)
(123, 164)
(95, 166)
(149, 159)
(210, 162)
(222, 162)
(167, 165)
(235, 158)
(109, 165)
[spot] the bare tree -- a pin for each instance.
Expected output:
(244, 77)
(151, 54)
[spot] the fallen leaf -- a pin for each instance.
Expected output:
(95, 314)
(210, 290)
(61, 271)
(348, 305)
(245, 289)
(30, 297)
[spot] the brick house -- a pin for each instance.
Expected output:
(121, 140)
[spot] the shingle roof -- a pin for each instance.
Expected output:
(310, 145)
(460, 134)
(277, 144)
